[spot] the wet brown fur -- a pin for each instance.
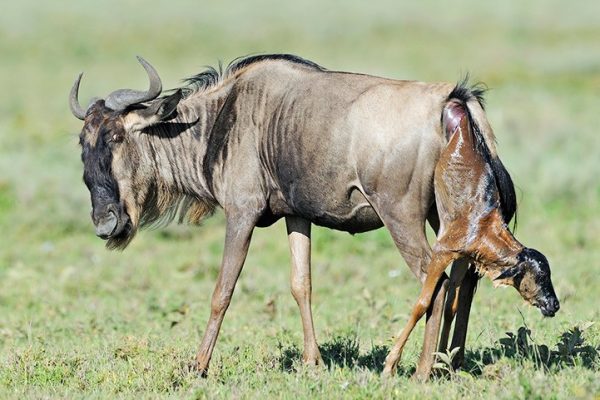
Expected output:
(472, 225)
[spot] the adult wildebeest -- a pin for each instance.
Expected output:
(472, 224)
(274, 136)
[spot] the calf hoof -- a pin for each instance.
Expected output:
(197, 368)
(391, 363)
(388, 373)
(389, 370)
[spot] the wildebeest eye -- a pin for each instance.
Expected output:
(116, 138)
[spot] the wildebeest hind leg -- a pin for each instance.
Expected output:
(237, 241)
(435, 271)
(457, 274)
(432, 330)
(409, 237)
(465, 299)
(300, 279)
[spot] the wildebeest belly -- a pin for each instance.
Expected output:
(359, 218)
(349, 211)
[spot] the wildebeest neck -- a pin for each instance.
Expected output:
(172, 155)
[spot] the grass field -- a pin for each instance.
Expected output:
(77, 321)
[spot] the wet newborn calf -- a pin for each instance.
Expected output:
(472, 226)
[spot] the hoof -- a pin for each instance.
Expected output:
(388, 372)
(313, 361)
(457, 363)
(391, 363)
(195, 367)
(423, 372)
(420, 376)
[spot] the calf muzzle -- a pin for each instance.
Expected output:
(549, 306)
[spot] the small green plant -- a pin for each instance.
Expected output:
(444, 360)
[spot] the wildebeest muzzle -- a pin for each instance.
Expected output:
(110, 220)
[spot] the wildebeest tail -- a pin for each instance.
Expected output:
(472, 97)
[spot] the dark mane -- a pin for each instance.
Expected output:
(506, 188)
(212, 76)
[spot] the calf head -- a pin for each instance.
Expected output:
(113, 166)
(531, 277)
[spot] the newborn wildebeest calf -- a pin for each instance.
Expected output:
(468, 198)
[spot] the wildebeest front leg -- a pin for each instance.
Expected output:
(435, 271)
(299, 240)
(237, 241)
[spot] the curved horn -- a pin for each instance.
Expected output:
(122, 98)
(73, 102)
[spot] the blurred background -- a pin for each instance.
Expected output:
(59, 288)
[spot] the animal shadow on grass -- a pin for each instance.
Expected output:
(341, 351)
(570, 350)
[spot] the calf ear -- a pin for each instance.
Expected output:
(160, 110)
(507, 276)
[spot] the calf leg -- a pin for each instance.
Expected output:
(237, 241)
(434, 313)
(414, 247)
(439, 262)
(299, 240)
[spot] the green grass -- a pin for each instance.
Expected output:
(79, 321)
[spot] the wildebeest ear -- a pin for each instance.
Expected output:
(164, 108)
(160, 110)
